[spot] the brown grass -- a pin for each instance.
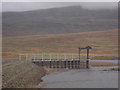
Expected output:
(104, 43)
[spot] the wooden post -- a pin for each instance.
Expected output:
(75, 64)
(87, 53)
(66, 64)
(50, 64)
(79, 53)
(60, 64)
(87, 59)
(79, 57)
(42, 63)
(87, 62)
(54, 64)
(69, 64)
(72, 64)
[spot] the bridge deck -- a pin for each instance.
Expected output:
(38, 60)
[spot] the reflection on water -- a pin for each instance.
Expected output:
(84, 78)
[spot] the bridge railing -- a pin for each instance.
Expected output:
(55, 60)
(49, 56)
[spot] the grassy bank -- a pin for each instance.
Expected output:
(23, 74)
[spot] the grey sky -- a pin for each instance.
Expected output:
(25, 6)
(60, 0)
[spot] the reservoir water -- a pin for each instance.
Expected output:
(113, 61)
(82, 78)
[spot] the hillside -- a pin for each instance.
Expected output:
(104, 44)
(58, 20)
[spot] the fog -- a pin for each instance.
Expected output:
(26, 6)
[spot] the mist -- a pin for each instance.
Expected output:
(27, 6)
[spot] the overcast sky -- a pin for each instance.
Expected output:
(25, 6)
(60, 0)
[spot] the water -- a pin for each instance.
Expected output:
(84, 78)
(113, 61)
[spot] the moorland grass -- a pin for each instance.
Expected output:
(104, 44)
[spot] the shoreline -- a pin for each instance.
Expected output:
(93, 64)
(33, 78)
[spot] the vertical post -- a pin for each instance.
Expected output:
(58, 60)
(79, 58)
(87, 53)
(79, 53)
(87, 58)
(50, 64)
(70, 64)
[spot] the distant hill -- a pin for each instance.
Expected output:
(58, 20)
